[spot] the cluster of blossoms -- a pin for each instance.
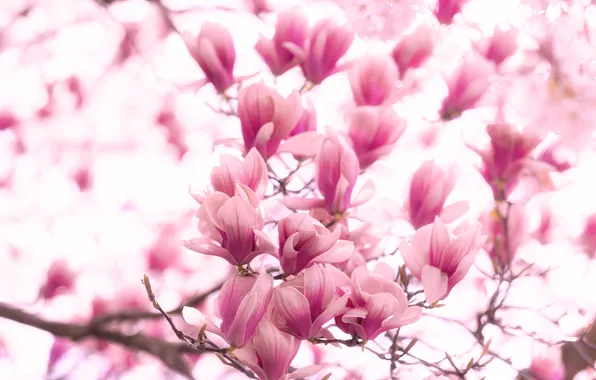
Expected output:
(323, 275)
(286, 205)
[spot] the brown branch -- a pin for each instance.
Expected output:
(171, 354)
(136, 315)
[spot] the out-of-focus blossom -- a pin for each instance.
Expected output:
(270, 353)
(508, 157)
(547, 364)
(500, 46)
(7, 121)
(429, 189)
(304, 304)
(376, 304)
(446, 10)
(251, 172)
(327, 42)
(60, 279)
(266, 117)
(259, 6)
(466, 87)
(373, 80)
(373, 132)
(588, 235)
(165, 251)
(214, 51)
(303, 241)
(241, 305)
(59, 348)
(414, 49)
(286, 49)
(502, 251)
(441, 258)
(231, 228)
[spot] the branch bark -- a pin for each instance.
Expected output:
(169, 353)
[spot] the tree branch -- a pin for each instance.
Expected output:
(171, 354)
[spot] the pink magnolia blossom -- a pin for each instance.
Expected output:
(373, 80)
(467, 86)
(308, 120)
(303, 241)
(214, 51)
(588, 236)
(259, 6)
(508, 156)
(327, 42)
(286, 49)
(500, 46)
(266, 117)
(429, 189)
(376, 304)
(241, 305)
(60, 279)
(446, 10)
(547, 364)
(304, 304)
(414, 49)
(502, 252)
(373, 132)
(270, 353)
(251, 172)
(304, 141)
(231, 228)
(440, 258)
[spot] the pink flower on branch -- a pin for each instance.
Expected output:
(429, 189)
(502, 247)
(251, 172)
(440, 258)
(267, 118)
(508, 157)
(214, 51)
(376, 304)
(327, 42)
(303, 241)
(241, 305)
(286, 49)
(304, 304)
(231, 228)
(373, 80)
(373, 132)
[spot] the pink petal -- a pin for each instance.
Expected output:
(454, 211)
(414, 259)
(294, 309)
(365, 194)
(194, 317)
(340, 252)
(334, 308)
(207, 247)
(307, 144)
(262, 138)
(434, 282)
(305, 372)
(264, 245)
(298, 203)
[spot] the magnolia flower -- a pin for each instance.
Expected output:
(242, 303)
(303, 240)
(231, 228)
(466, 87)
(373, 132)
(251, 172)
(266, 118)
(214, 51)
(500, 46)
(327, 42)
(376, 304)
(413, 49)
(517, 232)
(373, 80)
(508, 157)
(286, 49)
(429, 189)
(447, 9)
(440, 258)
(270, 353)
(59, 279)
(304, 304)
